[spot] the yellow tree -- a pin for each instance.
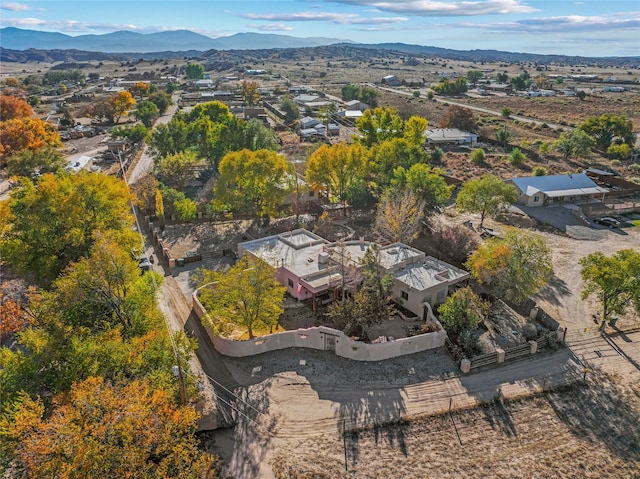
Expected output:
(55, 222)
(336, 167)
(105, 430)
(121, 104)
(252, 179)
(140, 89)
(250, 91)
(414, 130)
(247, 295)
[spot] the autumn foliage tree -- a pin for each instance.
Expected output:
(22, 133)
(12, 107)
(336, 167)
(248, 295)
(55, 222)
(105, 430)
(458, 117)
(398, 217)
(514, 267)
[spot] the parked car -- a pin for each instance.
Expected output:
(607, 221)
(144, 263)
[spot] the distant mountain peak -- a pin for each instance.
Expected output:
(135, 42)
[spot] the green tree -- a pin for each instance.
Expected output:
(248, 295)
(614, 280)
(581, 94)
(574, 143)
(176, 170)
(335, 168)
(379, 124)
(290, 109)
(386, 156)
(426, 183)
(134, 134)
(31, 163)
(488, 195)
(502, 77)
(605, 128)
(252, 180)
(186, 209)
(55, 222)
(517, 157)
(162, 100)
(473, 76)
(448, 87)
(503, 136)
(506, 112)
(478, 156)
(463, 310)
(194, 71)
(514, 267)
(146, 112)
(619, 151)
(373, 298)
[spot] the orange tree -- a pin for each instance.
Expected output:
(102, 429)
(22, 133)
(12, 107)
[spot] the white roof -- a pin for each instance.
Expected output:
(431, 272)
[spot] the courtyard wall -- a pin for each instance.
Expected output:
(321, 338)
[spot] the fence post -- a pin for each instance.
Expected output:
(533, 347)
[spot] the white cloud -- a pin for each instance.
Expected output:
(339, 18)
(567, 24)
(18, 7)
(271, 27)
(433, 8)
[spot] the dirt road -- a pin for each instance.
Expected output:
(562, 297)
(145, 164)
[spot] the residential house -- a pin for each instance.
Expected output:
(391, 80)
(450, 136)
(556, 189)
(355, 105)
(310, 267)
(308, 122)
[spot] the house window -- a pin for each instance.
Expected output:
(535, 199)
(290, 282)
(311, 193)
(404, 295)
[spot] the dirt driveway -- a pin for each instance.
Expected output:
(561, 298)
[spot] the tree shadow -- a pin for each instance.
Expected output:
(499, 417)
(600, 413)
(378, 410)
(555, 290)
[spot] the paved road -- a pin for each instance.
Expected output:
(476, 108)
(145, 164)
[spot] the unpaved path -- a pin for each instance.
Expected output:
(562, 297)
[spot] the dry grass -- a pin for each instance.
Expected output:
(586, 431)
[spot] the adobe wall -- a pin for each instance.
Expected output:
(317, 338)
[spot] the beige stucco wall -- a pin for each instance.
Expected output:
(316, 338)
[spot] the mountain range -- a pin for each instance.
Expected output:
(18, 45)
(132, 42)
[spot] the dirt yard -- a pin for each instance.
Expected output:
(578, 431)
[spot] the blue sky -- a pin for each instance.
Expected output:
(585, 27)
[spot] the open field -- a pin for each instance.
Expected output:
(578, 431)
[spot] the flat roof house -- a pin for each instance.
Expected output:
(556, 189)
(450, 136)
(310, 267)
